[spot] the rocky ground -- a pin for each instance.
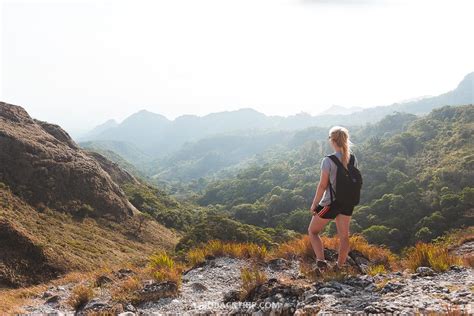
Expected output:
(213, 288)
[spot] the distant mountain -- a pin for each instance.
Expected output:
(415, 99)
(128, 151)
(463, 94)
(101, 128)
(341, 110)
(210, 155)
(156, 136)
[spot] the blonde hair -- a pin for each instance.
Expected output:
(340, 136)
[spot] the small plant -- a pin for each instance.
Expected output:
(255, 251)
(251, 278)
(435, 256)
(377, 269)
(126, 290)
(296, 248)
(80, 296)
(215, 247)
(164, 268)
(196, 256)
(83, 210)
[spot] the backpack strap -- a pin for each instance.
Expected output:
(339, 163)
(331, 190)
(336, 160)
(352, 160)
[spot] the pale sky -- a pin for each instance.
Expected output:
(79, 63)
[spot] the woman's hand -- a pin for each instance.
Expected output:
(322, 185)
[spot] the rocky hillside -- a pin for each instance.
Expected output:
(63, 209)
(43, 165)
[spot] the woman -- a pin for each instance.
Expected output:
(322, 214)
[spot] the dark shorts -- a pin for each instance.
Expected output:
(328, 212)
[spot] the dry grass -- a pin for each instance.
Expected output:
(378, 255)
(163, 268)
(220, 248)
(457, 237)
(435, 256)
(126, 290)
(80, 296)
(308, 269)
(338, 275)
(72, 245)
(296, 248)
(301, 248)
(452, 310)
(87, 244)
(468, 261)
(12, 299)
(376, 269)
(251, 278)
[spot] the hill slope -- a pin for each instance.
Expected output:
(40, 244)
(42, 164)
(62, 208)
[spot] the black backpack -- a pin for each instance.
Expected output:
(349, 184)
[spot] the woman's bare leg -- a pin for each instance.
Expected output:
(342, 224)
(315, 227)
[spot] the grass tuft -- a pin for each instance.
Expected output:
(163, 268)
(435, 256)
(377, 269)
(251, 278)
(80, 296)
(218, 248)
(126, 290)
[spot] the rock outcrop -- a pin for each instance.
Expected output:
(42, 164)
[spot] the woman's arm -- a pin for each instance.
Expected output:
(322, 186)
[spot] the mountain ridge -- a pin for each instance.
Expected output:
(158, 137)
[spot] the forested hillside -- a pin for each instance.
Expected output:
(418, 180)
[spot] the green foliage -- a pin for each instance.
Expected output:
(78, 210)
(215, 225)
(377, 234)
(160, 206)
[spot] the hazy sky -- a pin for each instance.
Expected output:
(78, 63)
